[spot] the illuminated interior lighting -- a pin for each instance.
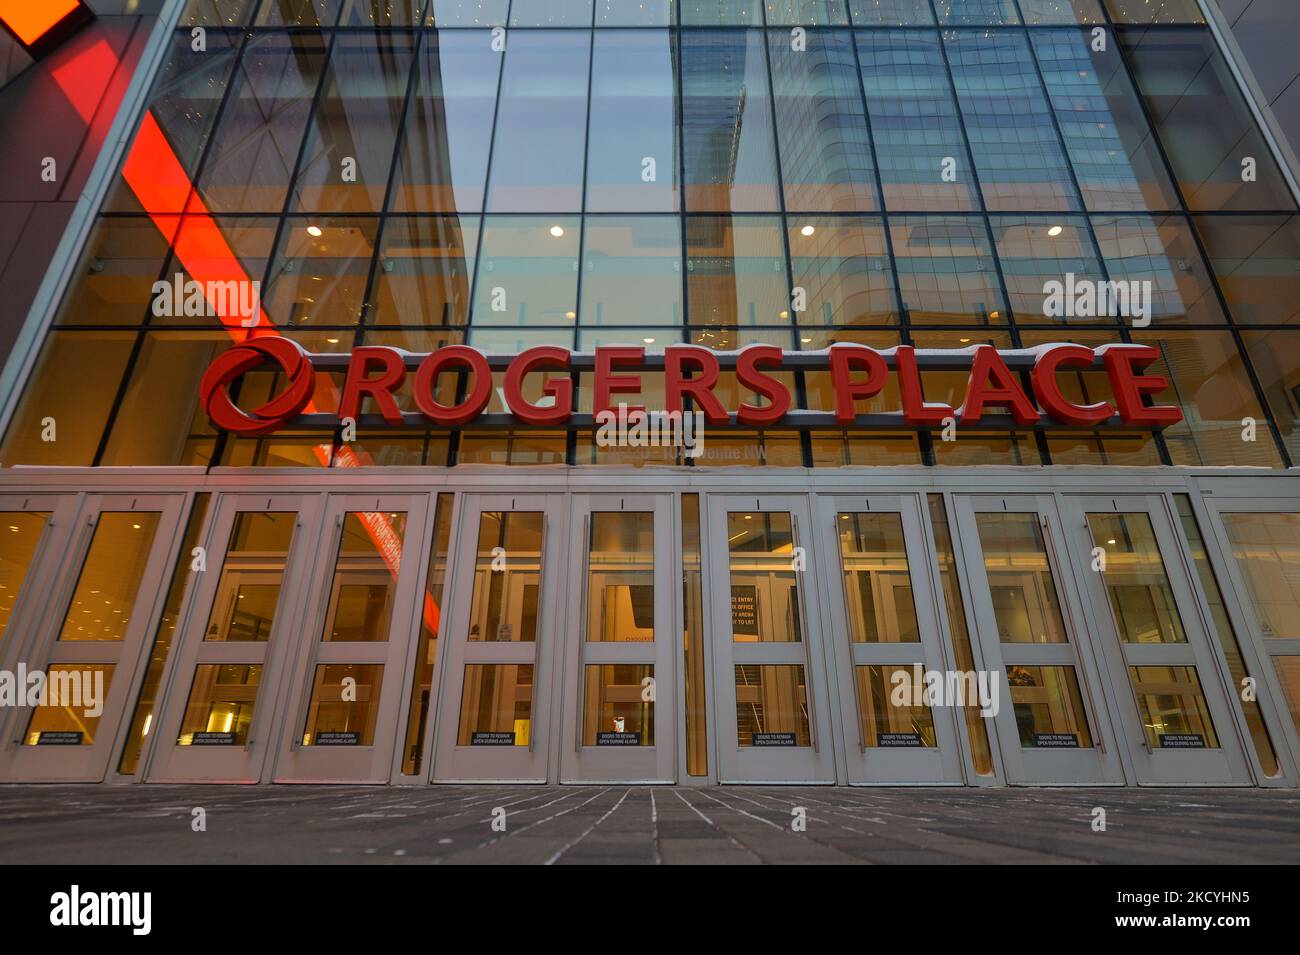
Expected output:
(314, 231)
(557, 231)
(1054, 231)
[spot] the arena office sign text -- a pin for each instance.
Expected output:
(1023, 386)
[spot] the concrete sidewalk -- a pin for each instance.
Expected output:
(621, 824)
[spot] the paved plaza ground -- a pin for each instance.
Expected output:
(622, 824)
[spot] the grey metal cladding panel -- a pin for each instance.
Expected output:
(1233, 8)
(26, 266)
(1268, 32)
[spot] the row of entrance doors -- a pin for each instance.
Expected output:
(811, 638)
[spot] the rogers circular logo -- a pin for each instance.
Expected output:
(214, 389)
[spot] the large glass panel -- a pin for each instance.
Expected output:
(919, 141)
(507, 577)
(891, 13)
(251, 157)
(109, 584)
(729, 147)
(365, 576)
(527, 272)
(1226, 633)
(1288, 674)
(1203, 121)
(113, 283)
(1267, 549)
(1034, 251)
(174, 129)
(771, 706)
(251, 576)
(1144, 11)
(20, 533)
(541, 123)
(826, 163)
(550, 13)
(946, 560)
(877, 582)
(616, 709)
(220, 707)
(496, 705)
(1115, 158)
(632, 132)
(632, 271)
(946, 270)
(164, 635)
(424, 270)
(1012, 133)
(722, 12)
(1173, 709)
(808, 12)
(1136, 583)
(1161, 251)
(621, 577)
(1254, 259)
(344, 705)
(765, 605)
(381, 13)
(444, 155)
(467, 13)
(74, 384)
(304, 13)
(1048, 708)
(160, 419)
(735, 271)
(1208, 381)
(976, 13)
(636, 13)
(1062, 11)
(417, 714)
(886, 722)
(1025, 603)
(75, 696)
(225, 256)
(1084, 387)
(320, 271)
(349, 153)
(842, 265)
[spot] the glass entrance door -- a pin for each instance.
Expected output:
(91, 636)
(1051, 721)
(1177, 725)
(773, 715)
(620, 655)
(494, 721)
(219, 717)
(354, 645)
(884, 631)
(1262, 538)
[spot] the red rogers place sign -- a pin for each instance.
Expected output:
(1006, 388)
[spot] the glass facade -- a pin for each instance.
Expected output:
(508, 173)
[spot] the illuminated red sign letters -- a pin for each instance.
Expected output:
(1018, 388)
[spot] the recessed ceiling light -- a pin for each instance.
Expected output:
(648, 341)
(314, 230)
(1054, 231)
(557, 231)
(332, 341)
(570, 315)
(807, 230)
